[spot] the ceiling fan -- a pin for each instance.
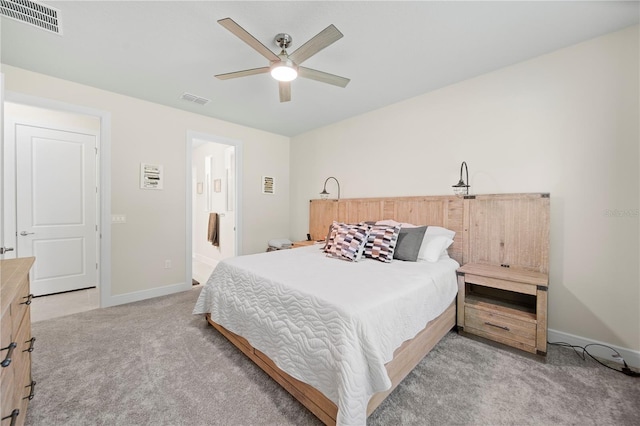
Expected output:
(286, 67)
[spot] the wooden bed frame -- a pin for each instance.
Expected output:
(405, 359)
(445, 211)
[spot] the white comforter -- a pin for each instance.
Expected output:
(329, 323)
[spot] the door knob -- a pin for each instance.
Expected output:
(4, 250)
(25, 233)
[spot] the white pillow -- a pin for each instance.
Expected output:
(435, 248)
(391, 222)
(431, 235)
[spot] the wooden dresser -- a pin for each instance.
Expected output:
(16, 386)
(502, 285)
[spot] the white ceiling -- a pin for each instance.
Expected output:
(393, 50)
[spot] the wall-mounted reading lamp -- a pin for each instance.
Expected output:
(324, 194)
(462, 187)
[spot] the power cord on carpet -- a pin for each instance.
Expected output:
(625, 370)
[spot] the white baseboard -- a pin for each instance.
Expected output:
(121, 299)
(630, 356)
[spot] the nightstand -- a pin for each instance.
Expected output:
(298, 244)
(504, 305)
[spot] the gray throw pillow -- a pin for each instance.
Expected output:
(409, 242)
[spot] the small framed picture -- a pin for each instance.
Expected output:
(150, 176)
(268, 185)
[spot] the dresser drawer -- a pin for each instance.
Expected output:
(5, 331)
(520, 333)
(22, 380)
(22, 355)
(6, 393)
(20, 304)
(6, 373)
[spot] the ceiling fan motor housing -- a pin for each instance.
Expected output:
(283, 40)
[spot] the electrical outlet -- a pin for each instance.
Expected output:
(167, 264)
(617, 358)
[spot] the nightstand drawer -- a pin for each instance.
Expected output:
(505, 329)
(298, 244)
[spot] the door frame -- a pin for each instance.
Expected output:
(103, 182)
(237, 208)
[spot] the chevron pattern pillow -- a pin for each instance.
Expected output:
(348, 241)
(382, 242)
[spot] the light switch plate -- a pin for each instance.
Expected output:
(118, 218)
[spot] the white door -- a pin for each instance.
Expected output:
(56, 199)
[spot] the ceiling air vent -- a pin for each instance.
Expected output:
(195, 99)
(32, 13)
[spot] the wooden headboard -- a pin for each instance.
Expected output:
(445, 211)
(494, 229)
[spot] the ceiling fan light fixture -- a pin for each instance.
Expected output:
(284, 70)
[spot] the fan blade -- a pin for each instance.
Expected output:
(321, 40)
(243, 73)
(243, 35)
(285, 91)
(324, 77)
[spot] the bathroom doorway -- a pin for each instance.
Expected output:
(213, 206)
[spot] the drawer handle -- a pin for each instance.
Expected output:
(7, 359)
(30, 342)
(28, 302)
(497, 326)
(31, 385)
(13, 416)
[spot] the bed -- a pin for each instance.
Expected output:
(340, 336)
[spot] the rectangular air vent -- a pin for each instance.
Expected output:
(32, 13)
(195, 99)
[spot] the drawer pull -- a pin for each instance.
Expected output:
(30, 342)
(28, 302)
(497, 326)
(31, 385)
(7, 360)
(13, 416)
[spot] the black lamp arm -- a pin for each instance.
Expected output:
(464, 164)
(325, 185)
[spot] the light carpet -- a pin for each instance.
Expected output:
(154, 363)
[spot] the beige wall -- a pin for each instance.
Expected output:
(564, 123)
(155, 228)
